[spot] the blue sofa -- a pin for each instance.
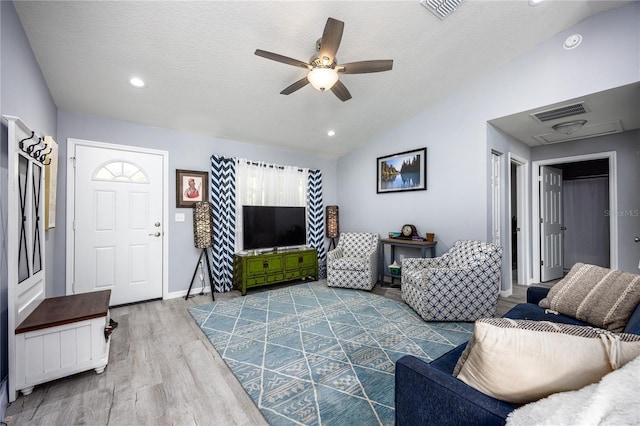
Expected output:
(428, 394)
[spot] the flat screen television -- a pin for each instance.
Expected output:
(273, 226)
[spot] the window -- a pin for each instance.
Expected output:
(261, 184)
(120, 171)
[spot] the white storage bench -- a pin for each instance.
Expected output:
(63, 336)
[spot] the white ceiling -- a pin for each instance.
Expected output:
(203, 77)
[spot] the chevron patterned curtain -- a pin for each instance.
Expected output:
(315, 217)
(223, 198)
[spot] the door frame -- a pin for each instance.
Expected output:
(496, 197)
(613, 204)
(71, 184)
(524, 221)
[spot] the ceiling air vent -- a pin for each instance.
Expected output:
(560, 112)
(441, 8)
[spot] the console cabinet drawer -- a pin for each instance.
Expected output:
(275, 278)
(254, 281)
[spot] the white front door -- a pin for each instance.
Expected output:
(550, 223)
(118, 229)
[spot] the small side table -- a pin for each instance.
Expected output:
(423, 246)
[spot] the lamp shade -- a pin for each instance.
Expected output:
(202, 224)
(332, 228)
(322, 78)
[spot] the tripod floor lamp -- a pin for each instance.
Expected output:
(203, 239)
(332, 227)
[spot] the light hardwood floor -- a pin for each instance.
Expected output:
(162, 371)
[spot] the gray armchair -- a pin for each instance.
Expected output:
(354, 261)
(461, 285)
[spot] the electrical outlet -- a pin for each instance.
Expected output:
(401, 257)
(179, 217)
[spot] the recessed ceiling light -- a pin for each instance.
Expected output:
(535, 2)
(331, 133)
(137, 82)
(572, 41)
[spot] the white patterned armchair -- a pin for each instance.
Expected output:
(461, 285)
(354, 262)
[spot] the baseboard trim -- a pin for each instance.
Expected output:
(506, 293)
(183, 293)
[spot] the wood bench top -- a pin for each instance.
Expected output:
(65, 310)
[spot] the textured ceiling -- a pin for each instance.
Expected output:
(203, 77)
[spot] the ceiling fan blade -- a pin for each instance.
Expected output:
(295, 86)
(363, 67)
(331, 38)
(341, 91)
(283, 59)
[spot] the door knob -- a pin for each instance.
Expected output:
(155, 234)
(636, 239)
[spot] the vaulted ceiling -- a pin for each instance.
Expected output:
(202, 76)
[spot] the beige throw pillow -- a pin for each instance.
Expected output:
(520, 361)
(600, 296)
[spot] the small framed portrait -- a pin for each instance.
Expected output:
(191, 186)
(405, 171)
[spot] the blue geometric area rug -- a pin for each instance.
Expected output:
(309, 354)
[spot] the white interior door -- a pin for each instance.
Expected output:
(118, 229)
(550, 223)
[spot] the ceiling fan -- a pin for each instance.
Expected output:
(323, 67)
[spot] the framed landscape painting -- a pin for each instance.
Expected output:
(405, 171)
(191, 186)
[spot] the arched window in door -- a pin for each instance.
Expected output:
(120, 171)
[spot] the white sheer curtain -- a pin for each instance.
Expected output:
(262, 184)
(586, 239)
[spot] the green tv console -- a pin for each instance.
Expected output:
(255, 270)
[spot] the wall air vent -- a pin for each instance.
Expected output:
(441, 8)
(560, 112)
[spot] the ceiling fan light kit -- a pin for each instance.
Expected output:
(323, 68)
(322, 78)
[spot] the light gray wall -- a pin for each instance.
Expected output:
(186, 151)
(459, 144)
(23, 93)
(627, 148)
